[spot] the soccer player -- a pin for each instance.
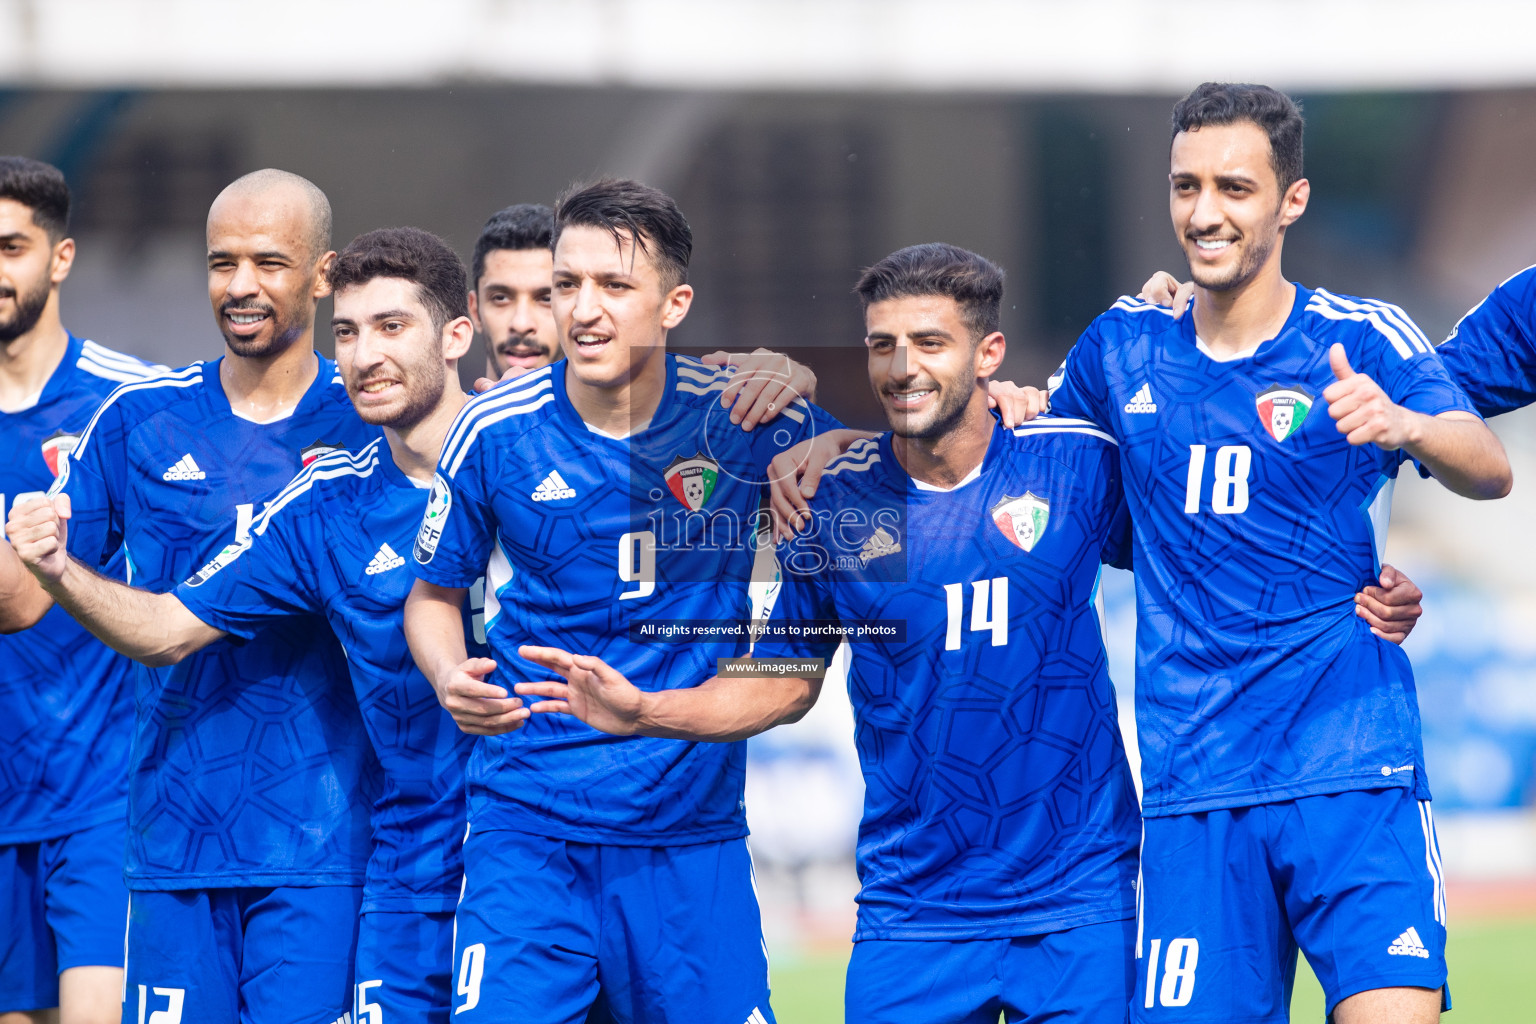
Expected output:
(66, 700)
(330, 545)
(998, 850)
(510, 306)
(252, 778)
(1284, 790)
(510, 284)
(611, 497)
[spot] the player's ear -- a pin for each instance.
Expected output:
(1294, 203)
(457, 335)
(63, 259)
(322, 286)
(989, 354)
(474, 310)
(675, 305)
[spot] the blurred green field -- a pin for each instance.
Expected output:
(1493, 980)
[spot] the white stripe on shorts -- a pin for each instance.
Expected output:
(1432, 860)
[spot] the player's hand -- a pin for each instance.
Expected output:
(795, 473)
(1163, 289)
(478, 707)
(39, 535)
(763, 384)
(1362, 410)
(1015, 404)
(593, 691)
(484, 384)
(1392, 609)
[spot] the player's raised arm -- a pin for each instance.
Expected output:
(722, 709)
(1456, 447)
(155, 629)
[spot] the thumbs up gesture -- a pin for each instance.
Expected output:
(1361, 409)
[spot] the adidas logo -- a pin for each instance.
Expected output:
(384, 560)
(186, 468)
(880, 544)
(553, 488)
(1408, 944)
(1142, 401)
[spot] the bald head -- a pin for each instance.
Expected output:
(285, 198)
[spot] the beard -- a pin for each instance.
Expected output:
(953, 399)
(424, 386)
(29, 309)
(1253, 256)
(283, 332)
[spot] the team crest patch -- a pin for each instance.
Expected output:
(692, 481)
(438, 504)
(58, 448)
(316, 448)
(1283, 410)
(1022, 520)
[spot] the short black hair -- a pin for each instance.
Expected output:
(41, 188)
(1272, 111)
(524, 226)
(412, 255)
(648, 215)
(936, 268)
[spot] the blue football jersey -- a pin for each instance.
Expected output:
(66, 699)
(997, 800)
(591, 544)
(250, 763)
(1256, 522)
(1492, 350)
(330, 544)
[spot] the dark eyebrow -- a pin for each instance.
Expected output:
(392, 314)
(221, 254)
(15, 236)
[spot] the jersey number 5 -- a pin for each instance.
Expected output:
(1229, 491)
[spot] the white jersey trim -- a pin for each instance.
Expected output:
(186, 377)
(328, 466)
(1390, 321)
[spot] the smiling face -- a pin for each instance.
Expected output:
(264, 277)
(611, 308)
(923, 364)
(30, 266)
(1228, 211)
(394, 362)
(511, 308)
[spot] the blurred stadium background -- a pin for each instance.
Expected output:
(806, 139)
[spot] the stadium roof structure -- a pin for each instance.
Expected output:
(1112, 46)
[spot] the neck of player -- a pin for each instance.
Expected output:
(27, 362)
(625, 407)
(416, 448)
(268, 388)
(948, 458)
(1232, 321)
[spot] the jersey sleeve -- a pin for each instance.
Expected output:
(95, 478)
(458, 528)
(802, 597)
(1079, 388)
(1406, 366)
(1491, 352)
(1115, 511)
(800, 421)
(273, 576)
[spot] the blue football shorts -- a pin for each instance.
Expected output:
(404, 966)
(241, 955)
(63, 904)
(1351, 879)
(551, 931)
(1079, 975)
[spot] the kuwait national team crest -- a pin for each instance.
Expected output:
(1022, 520)
(692, 481)
(1283, 410)
(58, 448)
(316, 448)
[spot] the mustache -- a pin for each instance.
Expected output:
(520, 344)
(242, 307)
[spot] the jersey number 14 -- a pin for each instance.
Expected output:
(989, 611)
